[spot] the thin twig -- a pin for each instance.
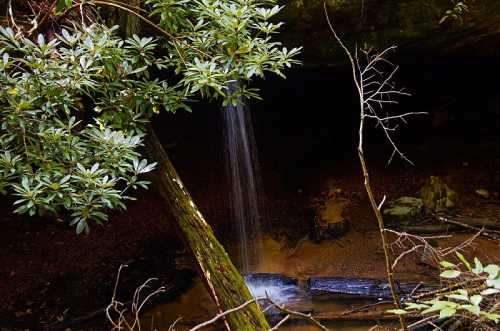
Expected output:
(443, 291)
(11, 15)
(36, 24)
(486, 233)
(307, 317)
(271, 304)
(357, 309)
(280, 323)
(461, 246)
(172, 326)
(227, 312)
(116, 307)
(422, 321)
(409, 251)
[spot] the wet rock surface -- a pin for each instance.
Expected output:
(283, 289)
(357, 287)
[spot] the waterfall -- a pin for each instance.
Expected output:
(243, 169)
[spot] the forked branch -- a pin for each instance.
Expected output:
(373, 77)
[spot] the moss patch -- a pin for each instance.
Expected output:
(437, 196)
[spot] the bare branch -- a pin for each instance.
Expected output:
(493, 234)
(280, 323)
(413, 249)
(307, 317)
(460, 246)
(379, 207)
(11, 16)
(227, 312)
(271, 304)
(423, 321)
(172, 327)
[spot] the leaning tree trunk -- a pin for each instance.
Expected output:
(223, 281)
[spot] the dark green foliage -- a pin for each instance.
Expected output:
(215, 42)
(49, 158)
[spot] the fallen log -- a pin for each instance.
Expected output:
(221, 278)
(480, 222)
(340, 287)
(487, 226)
(429, 228)
(362, 316)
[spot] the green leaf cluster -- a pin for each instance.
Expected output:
(456, 13)
(213, 43)
(55, 155)
(476, 296)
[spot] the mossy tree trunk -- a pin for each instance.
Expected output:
(223, 281)
(221, 278)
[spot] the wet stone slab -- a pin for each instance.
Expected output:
(360, 287)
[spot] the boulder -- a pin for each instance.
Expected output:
(329, 221)
(484, 193)
(437, 196)
(404, 210)
(331, 230)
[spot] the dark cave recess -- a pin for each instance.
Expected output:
(312, 116)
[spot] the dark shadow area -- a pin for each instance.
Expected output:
(310, 120)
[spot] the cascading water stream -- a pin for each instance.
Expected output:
(243, 173)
